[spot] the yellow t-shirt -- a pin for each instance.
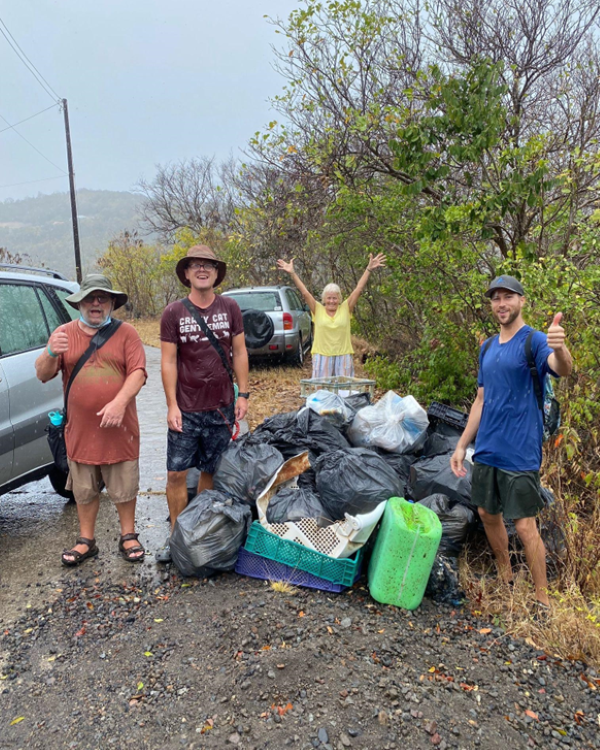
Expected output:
(332, 334)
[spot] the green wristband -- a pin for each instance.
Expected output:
(51, 353)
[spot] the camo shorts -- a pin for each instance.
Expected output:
(205, 435)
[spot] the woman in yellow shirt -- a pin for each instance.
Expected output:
(332, 346)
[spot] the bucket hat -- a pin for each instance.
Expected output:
(200, 252)
(96, 282)
(505, 282)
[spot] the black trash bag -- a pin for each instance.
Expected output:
(276, 423)
(357, 401)
(191, 480)
(308, 480)
(400, 463)
(294, 503)
(296, 432)
(457, 521)
(443, 585)
(437, 444)
(208, 534)
(320, 436)
(354, 481)
(245, 468)
(432, 476)
(258, 328)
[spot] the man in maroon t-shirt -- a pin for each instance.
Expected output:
(200, 398)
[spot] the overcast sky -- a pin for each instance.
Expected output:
(147, 82)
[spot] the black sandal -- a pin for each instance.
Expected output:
(128, 553)
(79, 557)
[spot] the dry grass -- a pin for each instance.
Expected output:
(572, 628)
(283, 587)
(148, 329)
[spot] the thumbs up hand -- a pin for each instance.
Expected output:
(556, 333)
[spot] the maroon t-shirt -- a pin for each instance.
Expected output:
(202, 380)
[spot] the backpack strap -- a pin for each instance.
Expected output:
(486, 345)
(98, 340)
(535, 376)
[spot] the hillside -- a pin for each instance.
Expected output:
(41, 227)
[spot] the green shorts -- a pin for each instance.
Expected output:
(514, 494)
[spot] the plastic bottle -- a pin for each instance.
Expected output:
(404, 553)
(56, 418)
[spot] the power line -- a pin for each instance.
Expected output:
(52, 106)
(30, 182)
(27, 62)
(60, 169)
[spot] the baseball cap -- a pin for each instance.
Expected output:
(505, 282)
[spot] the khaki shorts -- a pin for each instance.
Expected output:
(122, 481)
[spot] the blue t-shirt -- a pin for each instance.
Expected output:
(511, 428)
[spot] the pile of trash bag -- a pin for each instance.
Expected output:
(208, 534)
(354, 481)
(399, 425)
(245, 468)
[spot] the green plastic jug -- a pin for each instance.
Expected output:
(404, 552)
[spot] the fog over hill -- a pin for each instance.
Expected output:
(41, 227)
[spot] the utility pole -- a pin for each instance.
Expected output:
(72, 186)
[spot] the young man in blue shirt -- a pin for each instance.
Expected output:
(509, 426)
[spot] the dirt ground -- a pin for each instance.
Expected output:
(116, 656)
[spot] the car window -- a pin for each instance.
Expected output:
(62, 294)
(294, 300)
(52, 317)
(22, 322)
(264, 301)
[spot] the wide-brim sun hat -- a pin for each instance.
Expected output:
(505, 282)
(200, 252)
(96, 282)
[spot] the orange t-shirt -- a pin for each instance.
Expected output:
(95, 385)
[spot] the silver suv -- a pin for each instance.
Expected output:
(292, 322)
(31, 307)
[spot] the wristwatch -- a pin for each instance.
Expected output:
(243, 395)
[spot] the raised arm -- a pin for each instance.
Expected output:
(374, 262)
(306, 295)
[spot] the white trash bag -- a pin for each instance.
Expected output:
(331, 406)
(396, 424)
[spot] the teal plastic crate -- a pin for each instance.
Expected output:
(265, 543)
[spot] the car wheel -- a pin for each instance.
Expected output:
(297, 357)
(58, 480)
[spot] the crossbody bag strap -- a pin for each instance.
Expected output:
(98, 340)
(209, 335)
(535, 376)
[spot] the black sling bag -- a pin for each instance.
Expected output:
(56, 433)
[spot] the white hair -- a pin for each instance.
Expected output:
(331, 289)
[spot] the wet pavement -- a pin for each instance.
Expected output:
(36, 524)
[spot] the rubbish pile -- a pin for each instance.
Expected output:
(297, 500)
